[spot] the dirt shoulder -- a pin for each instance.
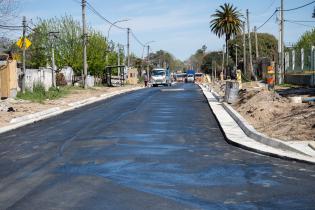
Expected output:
(274, 114)
(24, 107)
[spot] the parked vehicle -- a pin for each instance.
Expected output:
(199, 77)
(190, 78)
(180, 77)
(160, 77)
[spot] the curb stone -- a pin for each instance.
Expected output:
(250, 131)
(82, 102)
(312, 145)
(237, 137)
(35, 117)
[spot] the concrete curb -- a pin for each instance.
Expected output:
(254, 134)
(86, 101)
(236, 136)
(312, 145)
(35, 117)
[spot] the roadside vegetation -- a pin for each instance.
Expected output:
(39, 94)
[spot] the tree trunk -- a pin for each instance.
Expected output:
(227, 56)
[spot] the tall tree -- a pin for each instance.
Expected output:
(226, 22)
(196, 59)
(68, 46)
(7, 10)
(267, 43)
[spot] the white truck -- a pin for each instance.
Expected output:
(160, 76)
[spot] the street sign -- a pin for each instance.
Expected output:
(28, 43)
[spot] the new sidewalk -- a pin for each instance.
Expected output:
(238, 132)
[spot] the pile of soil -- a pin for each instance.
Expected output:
(275, 116)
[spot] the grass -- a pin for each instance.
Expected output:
(39, 93)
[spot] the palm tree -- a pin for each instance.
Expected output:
(226, 21)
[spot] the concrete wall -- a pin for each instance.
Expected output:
(68, 73)
(300, 79)
(90, 81)
(38, 76)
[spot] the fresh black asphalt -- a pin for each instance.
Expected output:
(157, 148)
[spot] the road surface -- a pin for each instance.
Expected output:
(157, 148)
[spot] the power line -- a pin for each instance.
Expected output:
(136, 38)
(297, 23)
(93, 10)
(285, 10)
(267, 20)
(31, 29)
(272, 3)
(302, 21)
(11, 28)
(266, 11)
(6, 26)
(102, 17)
(300, 7)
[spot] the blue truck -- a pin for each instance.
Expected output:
(190, 76)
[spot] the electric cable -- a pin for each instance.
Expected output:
(299, 7)
(297, 23)
(262, 25)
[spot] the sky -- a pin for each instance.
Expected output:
(178, 26)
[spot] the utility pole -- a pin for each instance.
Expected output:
(256, 43)
(24, 55)
(128, 47)
(118, 52)
(227, 59)
(148, 60)
(236, 60)
(244, 51)
(53, 65)
(223, 63)
(84, 44)
(52, 36)
(215, 70)
(118, 58)
(250, 48)
(280, 81)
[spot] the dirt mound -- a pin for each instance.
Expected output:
(275, 116)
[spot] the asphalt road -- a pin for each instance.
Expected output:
(158, 148)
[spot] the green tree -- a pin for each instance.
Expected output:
(68, 46)
(226, 22)
(38, 55)
(96, 54)
(69, 42)
(196, 59)
(212, 60)
(165, 59)
(267, 43)
(306, 40)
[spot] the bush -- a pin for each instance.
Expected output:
(39, 93)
